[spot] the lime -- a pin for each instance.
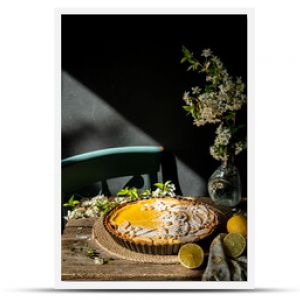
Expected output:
(234, 244)
(191, 256)
(237, 223)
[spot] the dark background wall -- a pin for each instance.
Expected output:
(122, 85)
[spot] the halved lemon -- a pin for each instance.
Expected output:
(191, 256)
(234, 244)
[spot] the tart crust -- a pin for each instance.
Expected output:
(158, 245)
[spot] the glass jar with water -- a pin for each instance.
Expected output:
(224, 185)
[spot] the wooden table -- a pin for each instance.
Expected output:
(76, 265)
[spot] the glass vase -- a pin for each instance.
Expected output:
(224, 185)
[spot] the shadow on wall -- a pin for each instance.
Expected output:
(89, 123)
(140, 77)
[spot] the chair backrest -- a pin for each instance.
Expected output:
(81, 170)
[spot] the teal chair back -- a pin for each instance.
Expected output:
(81, 172)
(98, 166)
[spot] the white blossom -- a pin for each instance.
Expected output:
(169, 190)
(75, 214)
(196, 90)
(92, 212)
(217, 154)
(186, 96)
(206, 53)
(239, 147)
(121, 200)
(223, 95)
(223, 135)
(88, 208)
(157, 193)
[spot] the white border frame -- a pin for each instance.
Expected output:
(162, 285)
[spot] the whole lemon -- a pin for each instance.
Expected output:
(238, 224)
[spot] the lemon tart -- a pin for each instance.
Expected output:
(160, 225)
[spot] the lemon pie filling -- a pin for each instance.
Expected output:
(160, 221)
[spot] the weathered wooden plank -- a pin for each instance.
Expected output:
(136, 272)
(82, 222)
(73, 261)
(68, 243)
(77, 229)
(70, 247)
(77, 233)
(70, 254)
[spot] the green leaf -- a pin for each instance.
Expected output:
(230, 116)
(124, 192)
(134, 194)
(131, 193)
(168, 182)
(188, 108)
(189, 68)
(71, 199)
(159, 185)
(90, 252)
(186, 51)
(209, 88)
(183, 60)
(71, 202)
